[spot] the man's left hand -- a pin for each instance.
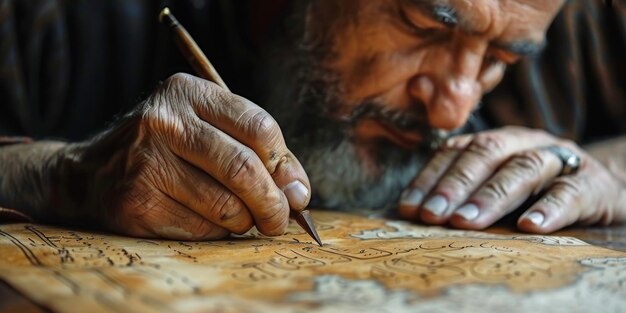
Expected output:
(474, 180)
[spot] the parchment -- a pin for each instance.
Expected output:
(366, 265)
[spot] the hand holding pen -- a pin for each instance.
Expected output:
(295, 191)
(192, 162)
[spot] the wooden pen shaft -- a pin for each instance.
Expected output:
(194, 55)
(205, 69)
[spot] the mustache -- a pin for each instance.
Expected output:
(400, 119)
(414, 120)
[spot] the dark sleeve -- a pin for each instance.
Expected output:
(34, 66)
(9, 215)
(575, 88)
(68, 67)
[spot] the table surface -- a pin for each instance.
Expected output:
(612, 237)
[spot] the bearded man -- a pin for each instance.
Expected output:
(373, 105)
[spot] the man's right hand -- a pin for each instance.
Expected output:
(192, 162)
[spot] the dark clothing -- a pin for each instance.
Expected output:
(67, 67)
(575, 89)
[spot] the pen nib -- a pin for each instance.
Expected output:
(306, 222)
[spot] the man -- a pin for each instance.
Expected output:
(366, 89)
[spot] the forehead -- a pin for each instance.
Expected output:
(514, 18)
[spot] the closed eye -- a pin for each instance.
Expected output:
(424, 28)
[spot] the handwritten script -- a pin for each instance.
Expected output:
(365, 265)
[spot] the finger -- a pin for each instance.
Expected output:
(478, 162)
(414, 194)
(254, 127)
(526, 173)
(204, 195)
(471, 168)
(562, 205)
(154, 214)
(239, 169)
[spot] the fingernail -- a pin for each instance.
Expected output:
(411, 197)
(296, 194)
(469, 212)
(436, 205)
(536, 218)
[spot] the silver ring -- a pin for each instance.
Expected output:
(570, 161)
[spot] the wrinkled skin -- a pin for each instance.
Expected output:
(438, 58)
(483, 177)
(207, 163)
(192, 162)
(195, 162)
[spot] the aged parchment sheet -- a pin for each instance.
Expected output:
(366, 265)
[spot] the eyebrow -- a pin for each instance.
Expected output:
(446, 14)
(440, 12)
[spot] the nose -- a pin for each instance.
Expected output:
(449, 87)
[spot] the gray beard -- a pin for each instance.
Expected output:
(340, 178)
(302, 96)
(341, 181)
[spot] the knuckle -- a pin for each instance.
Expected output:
(572, 186)
(242, 169)
(496, 190)
(225, 207)
(461, 177)
(168, 109)
(431, 170)
(487, 146)
(273, 222)
(555, 201)
(526, 164)
(273, 210)
(163, 121)
(178, 78)
(274, 200)
(436, 166)
(270, 204)
(519, 172)
(442, 159)
(264, 125)
(173, 86)
(261, 127)
(216, 98)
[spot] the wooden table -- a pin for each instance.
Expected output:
(613, 237)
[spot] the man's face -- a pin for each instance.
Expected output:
(383, 76)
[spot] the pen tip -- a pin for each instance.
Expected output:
(306, 222)
(319, 242)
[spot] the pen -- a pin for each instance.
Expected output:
(200, 63)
